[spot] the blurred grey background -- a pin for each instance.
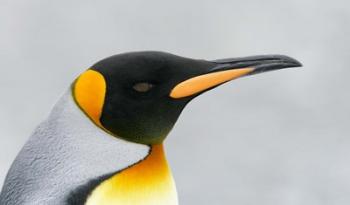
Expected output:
(277, 138)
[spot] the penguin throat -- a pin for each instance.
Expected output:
(148, 182)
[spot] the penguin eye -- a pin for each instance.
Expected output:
(143, 87)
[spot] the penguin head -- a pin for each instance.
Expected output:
(139, 96)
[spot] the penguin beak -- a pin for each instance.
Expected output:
(229, 69)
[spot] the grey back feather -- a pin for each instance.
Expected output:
(64, 152)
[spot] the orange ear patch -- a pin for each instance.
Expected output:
(89, 92)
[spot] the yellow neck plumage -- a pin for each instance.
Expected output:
(148, 182)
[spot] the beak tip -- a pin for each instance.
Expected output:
(289, 60)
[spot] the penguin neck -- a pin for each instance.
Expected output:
(65, 158)
(147, 182)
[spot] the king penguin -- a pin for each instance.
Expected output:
(102, 144)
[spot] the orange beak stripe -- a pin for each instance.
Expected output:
(203, 82)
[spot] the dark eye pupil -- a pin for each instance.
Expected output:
(143, 87)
